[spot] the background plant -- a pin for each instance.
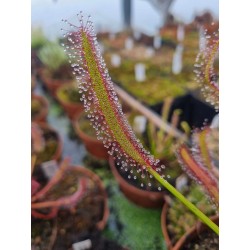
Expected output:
(60, 192)
(53, 56)
(38, 39)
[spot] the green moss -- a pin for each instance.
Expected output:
(69, 94)
(138, 228)
(153, 90)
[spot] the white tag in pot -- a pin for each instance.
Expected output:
(157, 42)
(82, 245)
(181, 182)
(129, 43)
(49, 168)
(139, 124)
(180, 33)
(115, 60)
(177, 60)
(140, 75)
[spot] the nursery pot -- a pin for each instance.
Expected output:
(50, 83)
(59, 144)
(190, 234)
(41, 115)
(71, 225)
(143, 198)
(70, 107)
(93, 146)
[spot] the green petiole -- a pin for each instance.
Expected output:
(186, 202)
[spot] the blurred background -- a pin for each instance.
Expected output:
(144, 15)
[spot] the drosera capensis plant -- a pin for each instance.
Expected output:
(45, 202)
(105, 112)
(54, 59)
(198, 163)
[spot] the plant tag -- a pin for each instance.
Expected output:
(49, 168)
(157, 42)
(181, 182)
(129, 43)
(177, 60)
(115, 60)
(180, 33)
(140, 72)
(139, 125)
(82, 245)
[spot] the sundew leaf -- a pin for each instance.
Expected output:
(198, 172)
(205, 71)
(201, 151)
(101, 102)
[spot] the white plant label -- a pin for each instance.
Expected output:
(181, 182)
(82, 245)
(49, 168)
(180, 33)
(115, 60)
(140, 74)
(129, 43)
(157, 42)
(177, 60)
(139, 124)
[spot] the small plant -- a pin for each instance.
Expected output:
(198, 164)
(162, 145)
(38, 39)
(48, 200)
(180, 219)
(39, 108)
(53, 57)
(69, 93)
(46, 143)
(105, 112)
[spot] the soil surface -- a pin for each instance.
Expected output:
(207, 240)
